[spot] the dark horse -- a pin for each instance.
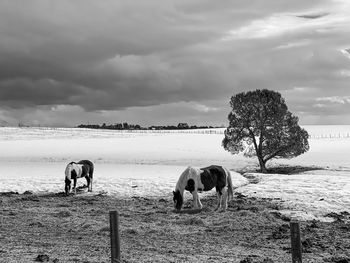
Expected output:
(83, 168)
(197, 180)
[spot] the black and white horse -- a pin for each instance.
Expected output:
(83, 168)
(197, 180)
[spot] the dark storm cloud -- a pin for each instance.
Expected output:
(313, 16)
(97, 54)
(24, 92)
(111, 57)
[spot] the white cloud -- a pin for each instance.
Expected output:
(319, 105)
(300, 43)
(335, 99)
(344, 73)
(345, 52)
(267, 27)
(204, 108)
(335, 17)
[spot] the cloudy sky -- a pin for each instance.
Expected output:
(68, 62)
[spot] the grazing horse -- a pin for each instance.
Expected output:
(83, 168)
(197, 180)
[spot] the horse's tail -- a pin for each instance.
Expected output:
(91, 170)
(229, 184)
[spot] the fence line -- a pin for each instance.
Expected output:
(221, 132)
(295, 238)
(215, 131)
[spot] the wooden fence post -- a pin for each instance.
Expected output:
(295, 241)
(115, 239)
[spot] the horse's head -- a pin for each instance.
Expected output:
(178, 200)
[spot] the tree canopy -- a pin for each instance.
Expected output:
(260, 125)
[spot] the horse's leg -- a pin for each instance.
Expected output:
(88, 182)
(75, 185)
(218, 195)
(91, 173)
(199, 202)
(195, 199)
(224, 197)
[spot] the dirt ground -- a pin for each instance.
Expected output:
(56, 228)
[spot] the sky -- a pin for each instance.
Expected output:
(161, 62)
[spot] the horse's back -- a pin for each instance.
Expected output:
(86, 162)
(87, 166)
(213, 176)
(215, 169)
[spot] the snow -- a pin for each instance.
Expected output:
(309, 195)
(149, 164)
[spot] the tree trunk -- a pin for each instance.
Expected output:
(262, 164)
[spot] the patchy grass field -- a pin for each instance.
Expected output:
(76, 229)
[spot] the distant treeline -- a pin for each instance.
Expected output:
(126, 126)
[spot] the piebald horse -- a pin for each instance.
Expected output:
(83, 168)
(197, 180)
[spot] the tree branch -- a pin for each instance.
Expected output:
(278, 151)
(254, 141)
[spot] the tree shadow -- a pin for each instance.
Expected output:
(281, 169)
(294, 169)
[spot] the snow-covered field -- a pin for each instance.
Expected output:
(149, 164)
